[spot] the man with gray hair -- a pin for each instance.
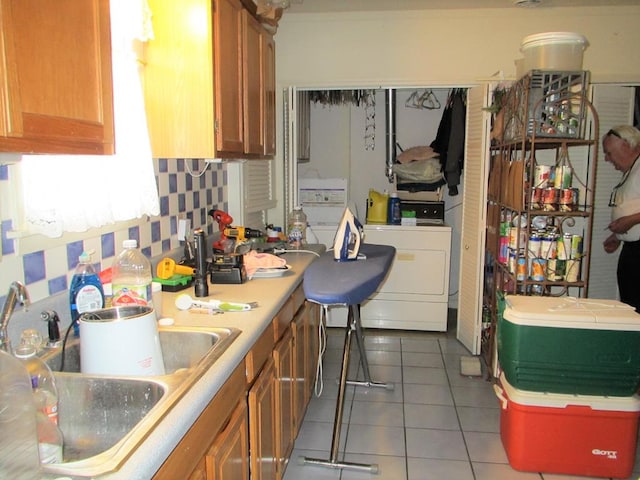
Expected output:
(621, 146)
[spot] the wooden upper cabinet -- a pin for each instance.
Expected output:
(204, 80)
(252, 82)
(269, 88)
(56, 88)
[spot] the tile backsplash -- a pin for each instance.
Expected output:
(48, 272)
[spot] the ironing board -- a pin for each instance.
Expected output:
(328, 282)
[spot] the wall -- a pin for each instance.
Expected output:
(47, 271)
(440, 48)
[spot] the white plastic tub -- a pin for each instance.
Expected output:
(553, 51)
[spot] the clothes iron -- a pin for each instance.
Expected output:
(346, 243)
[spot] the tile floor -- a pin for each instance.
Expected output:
(435, 425)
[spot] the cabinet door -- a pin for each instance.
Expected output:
(283, 356)
(228, 458)
(178, 79)
(252, 82)
(262, 425)
(269, 89)
(56, 89)
(227, 29)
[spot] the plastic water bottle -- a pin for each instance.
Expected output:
(394, 216)
(42, 381)
(19, 441)
(50, 440)
(45, 399)
(86, 292)
(297, 228)
(131, 277)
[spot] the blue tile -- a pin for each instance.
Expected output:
(57, 284)
(164, 205)
(214, 178)
(134, 233)
(196, 199)
(163, 165)
(4, 172)
(182, 203)
(188, 182)
(209, 195)
(7, 243)
(34, 267)
(166, 244)
(155, 232)
(190, 217)
(173, 183)
(146, 251)
(203, 216)
(203, 182)
(108, 241)
(173, 225)
(74, 249)
(220, 195)
(180, 164)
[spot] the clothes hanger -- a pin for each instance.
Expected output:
(429, 100)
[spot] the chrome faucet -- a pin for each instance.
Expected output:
(17, 293)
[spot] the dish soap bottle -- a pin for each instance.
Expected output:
(86, 292)
(131, 277)
(18, 443)
(297, 228)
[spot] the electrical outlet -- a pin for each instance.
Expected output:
(184, 226)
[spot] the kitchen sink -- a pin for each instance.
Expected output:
(182, 348)
(105, 418)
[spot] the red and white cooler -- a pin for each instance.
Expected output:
(568, 434)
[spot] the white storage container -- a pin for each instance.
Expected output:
(553, 51)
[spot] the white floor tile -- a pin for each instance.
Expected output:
(417, 359)
(433, 469)
(475, 419)
(428, 394)
(496, 471)
(389, 467)
(424, 375)
(431, 416)
(317, 436)
(485, 447)
(381, 342)
(482, 396)
(384, 357)
(324, 410)
(412, 344)
(376, 440)
(438, 444)
(379, 394)
(377, 413)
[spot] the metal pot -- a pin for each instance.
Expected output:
(120, 341)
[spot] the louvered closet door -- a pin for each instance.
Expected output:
(615, 107)
(472, 242)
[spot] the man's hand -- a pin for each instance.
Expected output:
(611, 243)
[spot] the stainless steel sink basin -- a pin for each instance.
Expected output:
(104, 419)
(95, 413)
(181, 348)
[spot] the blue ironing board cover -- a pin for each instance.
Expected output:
(347, 283)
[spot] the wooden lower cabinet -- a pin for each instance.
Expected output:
(249, 428)
(188, 459)
(283, 354)
(229, 454)
(262, 424)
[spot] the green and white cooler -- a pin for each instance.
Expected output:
(570, 345)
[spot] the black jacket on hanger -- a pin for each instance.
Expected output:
(449, 141)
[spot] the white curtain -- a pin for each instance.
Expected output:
(72, 193)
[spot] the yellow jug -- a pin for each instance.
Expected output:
(377, 207)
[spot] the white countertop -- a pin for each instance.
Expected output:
(271, 294)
